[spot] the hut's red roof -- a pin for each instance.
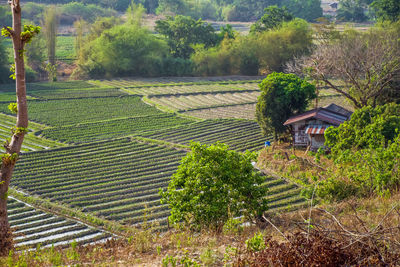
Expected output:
(322, 114)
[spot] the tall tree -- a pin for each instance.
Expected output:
(282, 95)
(50, 26)
(182, 32)
(20, 36)
(274, 17)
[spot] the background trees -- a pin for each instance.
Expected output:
(272, 18)
(387, 9)
(182, 32)
(282, 95)
(367, 64)
(50, 25)
(213, 184)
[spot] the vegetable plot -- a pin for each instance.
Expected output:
(32, 227)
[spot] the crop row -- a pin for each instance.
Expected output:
(76, 93)
(129, 174)
(89, 132)
(75, 111)
(31, 142)
(48, 86)
(33, 227)
(238, 134)
(120, 179)
(195, 88)
(246, 111)
(187, 102)
(166, 81)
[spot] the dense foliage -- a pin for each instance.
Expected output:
(273, 18)
(282, 95)
(366, 154)
(368, 128)
(183, 32)
(213, 184)
(387, 9)
(137, 50)
(259, 53)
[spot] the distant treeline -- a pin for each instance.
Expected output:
(228, 10)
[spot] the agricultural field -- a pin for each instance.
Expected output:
(106, 148)
(61, 112)
(246, 111)
(192, 88)
(164, 81)
(195, 101)
(89, 132)
(33, 227)
(31, 142)
(118, 180)
(65, 48)
(240, 135)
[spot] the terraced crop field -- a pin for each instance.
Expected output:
(194, 101)
(194, 88)
(116, 179)
(31, 142)
(240, 135)
(246, 111)
(63, 112)
(163, 81)
(32, 227)
(118, 151)
(88, 132)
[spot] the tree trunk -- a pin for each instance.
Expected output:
(14, 147)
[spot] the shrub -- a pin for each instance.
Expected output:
(213, 184)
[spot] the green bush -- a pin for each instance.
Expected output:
(368, 128)
(250, 55)
(213, 184)
(123, 50)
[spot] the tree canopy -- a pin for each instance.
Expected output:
(282, 95)
(387, 9)
(273, 17)
(181, 32)
(213, 184)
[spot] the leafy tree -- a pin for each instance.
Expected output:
(213, 184)
(20, 36)
(172, 7)
(50, 26)
(368, 128)
(309, 10)
(182, 32)
(253, 54)
(352, 10)
(274, 17)
(282, 95)
(366, 153)
(387, 9)
(138, 52)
